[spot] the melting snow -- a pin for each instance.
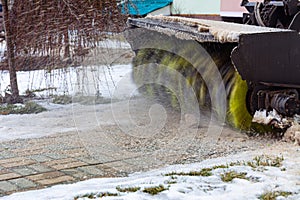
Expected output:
(261, 180)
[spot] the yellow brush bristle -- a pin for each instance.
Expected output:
(238, 114)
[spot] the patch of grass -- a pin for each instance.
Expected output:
(173, 177)
(205, 172)
(62, 99)
(107, 194)
(128, 189)
(264, 160)
(32, 107)
(220, 167)
(92, 100)
(154, 190)
(96, 195)
(170, 182)
(40, 90)
(229, 176)
(202, 172)
(261, 161)
(89, 196)
(273, 195)
(29, 107)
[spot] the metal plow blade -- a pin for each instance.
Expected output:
(199, 29)
(269, 58)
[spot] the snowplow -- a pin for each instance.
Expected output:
(258, 62)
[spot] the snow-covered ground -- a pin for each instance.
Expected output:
(110, 82)
(84, 80)
(259, 180)
(88, 79)
(115, 83)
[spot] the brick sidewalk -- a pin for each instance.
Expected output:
(38, 163)
(35, 163)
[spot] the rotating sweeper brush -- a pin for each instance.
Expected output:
(259, 65)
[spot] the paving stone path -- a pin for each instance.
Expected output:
(105, 151)
(42, 162)
(36, 163)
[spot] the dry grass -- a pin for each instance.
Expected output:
(229, 176)
(128, 189)
(154, 190)
(273, 195)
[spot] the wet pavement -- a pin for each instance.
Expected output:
(42, 162)
(109, 145)
(36, 163)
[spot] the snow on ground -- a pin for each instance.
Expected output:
(110, 82)
(85, 80)
(114, 44)
(259, 180)
(58, 119)
(71, 80)
(115, 83)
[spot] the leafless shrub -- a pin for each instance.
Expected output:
(54, 33)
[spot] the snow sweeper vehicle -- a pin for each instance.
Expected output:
(258, 62)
